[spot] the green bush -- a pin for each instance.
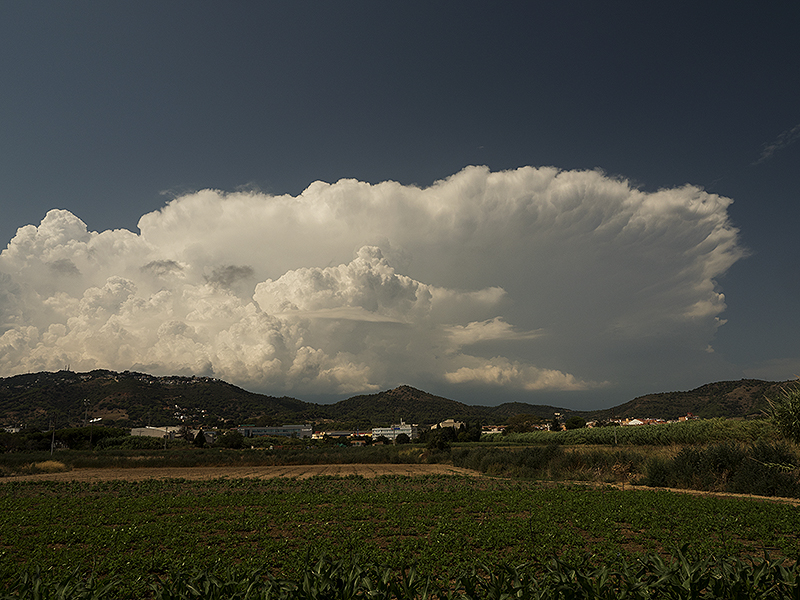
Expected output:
(763, 469)
(700, 431)
(529, 463)
(135, 442)
(784, 411)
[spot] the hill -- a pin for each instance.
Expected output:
(731, 399)
(402, 403)
(132, 399)
(128, 399)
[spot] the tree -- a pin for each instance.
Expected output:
(232, 439)
(186, 433)
(575, 423)
(784, 410)
(522, 423)
(555, 424)
(439, 439)
(200, 439)
(402, 438)
(471, 432)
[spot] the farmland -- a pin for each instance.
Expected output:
(528, 516)
(142, 532)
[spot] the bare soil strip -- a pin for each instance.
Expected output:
(289, 471)
(306, 471)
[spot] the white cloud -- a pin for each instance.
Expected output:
(502, 372)
(551, 279)
(491, 329)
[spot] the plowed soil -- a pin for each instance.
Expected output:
(298, 471)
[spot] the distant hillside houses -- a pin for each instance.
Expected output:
(634, 421)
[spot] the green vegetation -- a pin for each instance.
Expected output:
(784, 410)
(129, 399)
(762, 469)
(648, 577)
(152, 539)
(521, 535)
(701, 431)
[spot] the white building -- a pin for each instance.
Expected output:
(412, 431)
(301, 431)
(156, 432)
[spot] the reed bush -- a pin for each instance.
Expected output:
(700, 431)
(764, 469)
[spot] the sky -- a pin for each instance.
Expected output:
(570, 203)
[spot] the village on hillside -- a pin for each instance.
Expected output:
(396, 433)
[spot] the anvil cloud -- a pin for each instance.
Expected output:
(527, 280)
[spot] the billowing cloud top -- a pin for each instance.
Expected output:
(529, 279)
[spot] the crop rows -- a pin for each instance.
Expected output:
(142, 532)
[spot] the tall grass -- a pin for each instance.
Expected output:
(701, 431)
(761, 469)
(557, 463)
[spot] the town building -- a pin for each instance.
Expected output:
(412, 431)
(157, 432)
(452, 423)
(301, 431)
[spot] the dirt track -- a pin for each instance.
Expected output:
(298, 471)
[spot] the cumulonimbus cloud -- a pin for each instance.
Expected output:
(528, 279)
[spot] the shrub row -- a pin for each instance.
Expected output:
(762, 469)
(552, 462)
(701, 431)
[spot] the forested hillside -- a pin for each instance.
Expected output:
(128, 399)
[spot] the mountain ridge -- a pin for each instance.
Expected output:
(130, 399)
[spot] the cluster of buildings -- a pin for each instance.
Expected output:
(635, 421)
(307, 431)
(301, 431)
(390, 433)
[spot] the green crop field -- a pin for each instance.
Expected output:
(141, 533)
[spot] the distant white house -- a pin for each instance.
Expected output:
(451, 423)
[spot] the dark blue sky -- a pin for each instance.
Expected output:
(110, 109)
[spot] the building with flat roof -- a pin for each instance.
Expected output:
(412, 431)
(170, 432)
(301, 431)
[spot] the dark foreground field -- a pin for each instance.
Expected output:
(140, 535)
